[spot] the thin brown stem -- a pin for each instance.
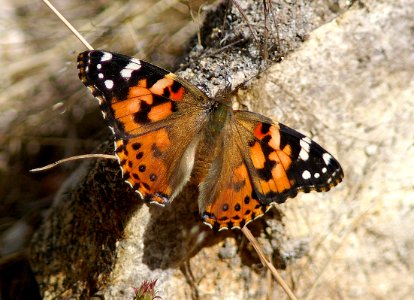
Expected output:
(83, 156)
(267, 263)
(66, 22)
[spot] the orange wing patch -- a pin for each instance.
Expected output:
(236, 205)
(147, 104)
(270, 161)
(168, 87)
(142, 165)
(131, 92)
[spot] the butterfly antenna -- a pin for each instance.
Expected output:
(66, 22)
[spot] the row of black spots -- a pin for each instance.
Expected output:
(229, 225)
(226, 207)
(142, 169)
(136, 146)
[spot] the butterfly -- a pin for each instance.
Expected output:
(168, 131)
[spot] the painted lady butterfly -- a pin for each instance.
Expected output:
(167, 130)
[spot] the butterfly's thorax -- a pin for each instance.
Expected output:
(219, 114)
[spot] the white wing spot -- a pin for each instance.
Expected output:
(324, 170)
(106, 56)
(126, 73)
(112, 129)
(132, 66)
(316, 175)
(100, 75)
(305, 147)
(327, 158)
(306, 175)
(109, 84)
(87, 69)
(99, 66)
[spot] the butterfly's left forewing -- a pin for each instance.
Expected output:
(282, 161)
